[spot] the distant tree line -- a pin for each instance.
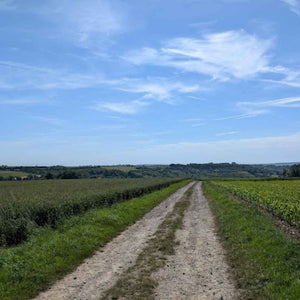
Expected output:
(198, 171)
(294, 171)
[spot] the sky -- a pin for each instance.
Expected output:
(149, 82)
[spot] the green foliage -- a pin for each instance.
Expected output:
(69, 175)
(294, 171)
(265, 264)
(198, 171)
(24, 205)
(281, 197)
(29, 268)
(49, 176)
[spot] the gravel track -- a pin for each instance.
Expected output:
(198, 270)
(100, 272)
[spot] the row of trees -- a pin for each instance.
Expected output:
(294, 171)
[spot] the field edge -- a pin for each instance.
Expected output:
(264, 263)
(32, 267)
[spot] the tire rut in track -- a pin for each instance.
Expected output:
(198, 270)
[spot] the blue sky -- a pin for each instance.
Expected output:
(136, 81)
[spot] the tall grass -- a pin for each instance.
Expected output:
(25, 205)
(31, 267)
(265, 263)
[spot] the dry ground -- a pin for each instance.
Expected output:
(101, 271)
(198, 270)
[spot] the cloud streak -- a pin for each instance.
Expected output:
(251, 109)
(23, 101)
(158, 88)
(294, 6)
(227, 133)
(291, 102)
(223, 55)
(130, 108)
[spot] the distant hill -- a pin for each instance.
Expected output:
(288, 164)
(193, 170)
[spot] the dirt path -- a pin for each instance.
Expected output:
(198, 270)
(100, 272)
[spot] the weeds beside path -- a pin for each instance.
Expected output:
(101, 271)
(266, 264)
(137, 283)
(31, 267)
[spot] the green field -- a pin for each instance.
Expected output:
(7, 174)
(281, 197)
(24, 205)
(30, 267)
(264, 261)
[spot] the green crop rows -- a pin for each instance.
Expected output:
(26, 205)
(281, 197)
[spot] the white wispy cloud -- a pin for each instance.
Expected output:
(23, 76)
(222, 55)
(197, 98)
(251, 109)
(294, 5)
(227, 133)
(292, 102)
(198, 124)
(158, 89)
(89, 24)
(22, 101)
(131, 108)
(249, 113)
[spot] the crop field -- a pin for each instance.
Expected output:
(25, 205)
(281, 197)
(7, 174)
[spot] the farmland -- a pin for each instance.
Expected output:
(49, 226)
(280, 197)
(7, 174)
(265, 261)
(24, 205)
(50, 253)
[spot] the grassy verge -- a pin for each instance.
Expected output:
(31, 267)
(137, 282)
(266, 265)
(24, 205)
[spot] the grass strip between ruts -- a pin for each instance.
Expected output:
(265, 263)
(136, 283)
(29, 268)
